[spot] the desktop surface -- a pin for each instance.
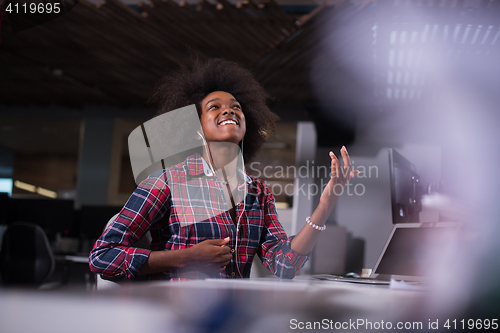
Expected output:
(252, 305)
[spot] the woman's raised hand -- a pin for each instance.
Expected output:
(339, 176)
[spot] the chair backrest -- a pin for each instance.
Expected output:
(26, 257)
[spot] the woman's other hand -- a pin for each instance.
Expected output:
(211, 253)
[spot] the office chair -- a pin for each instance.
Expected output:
(26, 257)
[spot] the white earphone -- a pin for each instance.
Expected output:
(206, 150)
(242, 211)
(244, 198)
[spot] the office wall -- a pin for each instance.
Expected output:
(53, 172)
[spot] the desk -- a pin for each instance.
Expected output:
(74, 259)
(259, 305)
(74, 268)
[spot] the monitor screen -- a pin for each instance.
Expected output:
(94, 220)
(6, 185)
(409, 251)
(405, 183)
(52, 215)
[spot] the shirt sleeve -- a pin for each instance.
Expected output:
(276, 253)
(113, 255)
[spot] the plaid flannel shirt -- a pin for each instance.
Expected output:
(184, 205)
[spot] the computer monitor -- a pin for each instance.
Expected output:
(4, 205)
(93, 219)
(412, 250)
(405, 189)
(52, 215)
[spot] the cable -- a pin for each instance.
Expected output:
(208, 153)
(244, 197)
(242, 211)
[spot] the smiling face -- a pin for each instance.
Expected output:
(222, 118)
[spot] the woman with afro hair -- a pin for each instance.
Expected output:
(218, 218)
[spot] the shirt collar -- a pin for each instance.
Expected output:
(197, 166)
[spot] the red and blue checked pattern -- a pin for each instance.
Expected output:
(197, 212)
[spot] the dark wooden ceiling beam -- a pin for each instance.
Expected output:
(110, 53)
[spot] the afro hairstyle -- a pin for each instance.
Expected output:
(191, 84)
